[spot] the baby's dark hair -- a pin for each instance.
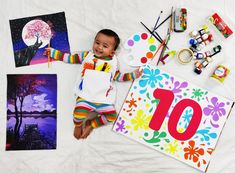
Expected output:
(111, 33)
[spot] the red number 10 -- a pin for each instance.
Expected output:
(166, 98)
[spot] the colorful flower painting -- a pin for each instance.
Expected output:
(31, 35)
(31, 111)
(164, 121)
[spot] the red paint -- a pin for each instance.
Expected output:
(166, 98)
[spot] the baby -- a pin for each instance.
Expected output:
(96, 91)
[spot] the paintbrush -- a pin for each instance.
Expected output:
(48, 56)
(163, 21)
(159, 39)
(154, 28)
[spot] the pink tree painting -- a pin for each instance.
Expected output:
(31, 35)
(35, 30)
(35, 34)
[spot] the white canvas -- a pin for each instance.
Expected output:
(173, 116)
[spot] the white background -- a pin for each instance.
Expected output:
(104, 150)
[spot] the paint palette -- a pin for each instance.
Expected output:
(142, 47)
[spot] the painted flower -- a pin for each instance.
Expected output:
(150, 77)
(141, 121)
(121, 125)
(193, 153)
(187, 117)
(198, 94)
(206, 134)
(132, 102)
(216, 109)
(177, 87)
(173, 147)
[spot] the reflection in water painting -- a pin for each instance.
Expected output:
(31, 111)
(31, 35)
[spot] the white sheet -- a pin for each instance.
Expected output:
(105, 151)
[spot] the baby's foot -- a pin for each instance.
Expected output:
(87, 130)
(77, 132)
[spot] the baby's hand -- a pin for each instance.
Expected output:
(47, 51)
(138, 72)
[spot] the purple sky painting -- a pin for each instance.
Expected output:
(31, 111)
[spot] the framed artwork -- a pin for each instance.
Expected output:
(173, 116)
(31, 111)
(31, 35)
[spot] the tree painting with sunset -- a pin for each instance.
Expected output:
(22, 94)
(18, 89)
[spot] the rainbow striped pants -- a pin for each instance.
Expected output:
(107, 113)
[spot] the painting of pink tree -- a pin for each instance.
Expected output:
(37, 31)
(36, 34)
(32, 35)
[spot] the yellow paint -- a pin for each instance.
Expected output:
(172, 148)
(151, 40)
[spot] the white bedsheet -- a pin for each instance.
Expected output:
(105, 151)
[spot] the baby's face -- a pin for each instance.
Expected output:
(103, 45)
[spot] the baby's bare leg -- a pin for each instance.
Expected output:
(87, 130)
(77, 132)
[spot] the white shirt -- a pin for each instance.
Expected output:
(96, 83)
